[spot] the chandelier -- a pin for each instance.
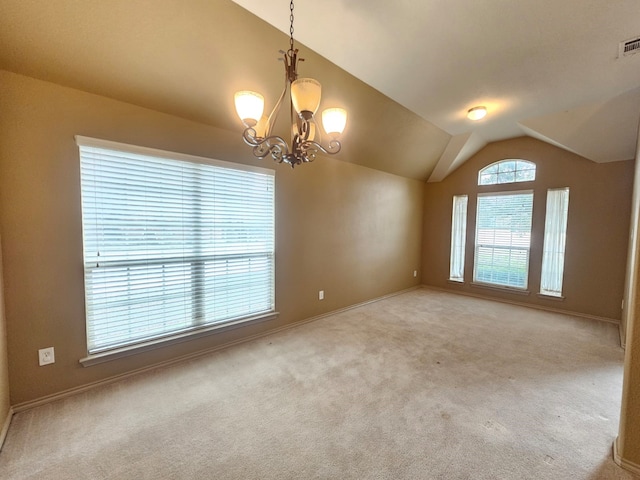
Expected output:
(304, 100)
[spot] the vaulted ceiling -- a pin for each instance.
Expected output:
(545, 68)
(406, 71)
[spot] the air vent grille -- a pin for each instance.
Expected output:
(629, 47)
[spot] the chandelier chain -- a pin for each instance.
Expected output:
(291, 26)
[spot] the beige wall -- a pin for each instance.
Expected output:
(4, 357)
(597, 230)
(633, 259)
(628, 442)
(350, 230)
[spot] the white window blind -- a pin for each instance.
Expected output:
(171, 244)
(458, 237)
(555, 236)
(503, 238)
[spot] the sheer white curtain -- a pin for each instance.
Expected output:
(458, 237)
(555, 235)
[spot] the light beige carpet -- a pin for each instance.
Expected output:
(424, 385)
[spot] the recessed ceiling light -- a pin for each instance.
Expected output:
(476, 113)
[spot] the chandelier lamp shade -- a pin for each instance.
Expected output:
(303, 96)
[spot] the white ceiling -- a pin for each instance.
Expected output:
(545, 68)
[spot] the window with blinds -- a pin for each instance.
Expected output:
(172, 243)
(503, 238)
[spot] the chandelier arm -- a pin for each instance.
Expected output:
(249, 137)
(333, 147)
(262, 147)
(273, 116)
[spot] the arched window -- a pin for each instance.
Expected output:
(503, 230)
(507, 171)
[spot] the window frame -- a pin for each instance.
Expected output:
(196, 330)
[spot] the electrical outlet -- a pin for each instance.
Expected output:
(415, 273)
(46, 356)
(321, 295)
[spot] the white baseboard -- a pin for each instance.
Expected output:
(626, 464)
(21, 407)
(5, 427)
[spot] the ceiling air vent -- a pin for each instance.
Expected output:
(629, 47)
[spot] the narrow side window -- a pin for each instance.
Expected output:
(555, 237)
(458, 237)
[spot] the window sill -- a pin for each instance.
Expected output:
(500, 288)
(101, 357)
(455, 282)
(551, 297)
